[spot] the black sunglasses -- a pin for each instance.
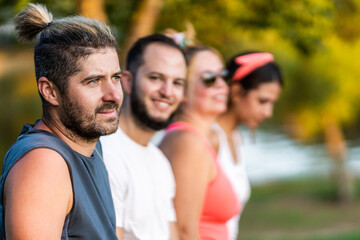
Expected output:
(209, 78)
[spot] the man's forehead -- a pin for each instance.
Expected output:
(161, 50)
(99, 61)
(159, 58)
(163, 67)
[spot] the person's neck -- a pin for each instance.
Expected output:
(130, 126)
(76, 143)
(202, 124)
(227, 122)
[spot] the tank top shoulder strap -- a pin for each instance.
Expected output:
(188, 127)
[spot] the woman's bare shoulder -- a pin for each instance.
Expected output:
(181, 139)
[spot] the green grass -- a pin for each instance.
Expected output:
(305, 209)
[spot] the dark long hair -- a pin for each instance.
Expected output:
(270, 72)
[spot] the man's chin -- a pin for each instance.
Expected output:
(157, 124)
(160, 117)
(160, 120)
(110, 126)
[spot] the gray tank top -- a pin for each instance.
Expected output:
(92, 215)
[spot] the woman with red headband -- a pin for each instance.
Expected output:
(205, 199)
(255, 87)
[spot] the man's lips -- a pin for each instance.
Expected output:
(109, 113)
(108, 109)
(162, 103)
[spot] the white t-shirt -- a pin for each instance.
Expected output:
(142, 186)
(235, 171)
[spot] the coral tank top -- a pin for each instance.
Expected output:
(220, 202)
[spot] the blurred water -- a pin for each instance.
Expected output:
(274, 156)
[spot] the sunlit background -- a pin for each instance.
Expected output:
(304, 163)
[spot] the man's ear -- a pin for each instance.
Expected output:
(126, 81)
(48, 91)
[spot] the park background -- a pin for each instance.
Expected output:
(304, 163)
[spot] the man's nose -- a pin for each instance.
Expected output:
(166, 88)
(113, 91)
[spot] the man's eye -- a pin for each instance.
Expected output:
(117, 77)
(93, 81)
(154, 77)
(179, 83)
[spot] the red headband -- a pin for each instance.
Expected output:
(250, 62)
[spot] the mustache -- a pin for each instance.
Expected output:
(107, 106)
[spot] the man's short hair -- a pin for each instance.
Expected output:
(135, 57)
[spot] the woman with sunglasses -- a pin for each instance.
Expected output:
(204, 199)
(255, 87)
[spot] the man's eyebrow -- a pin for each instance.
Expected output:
(159, 73)
(94, 76)
(163, 75)
(117, 73)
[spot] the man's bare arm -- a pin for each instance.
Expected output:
(119, 233)
(37, 196)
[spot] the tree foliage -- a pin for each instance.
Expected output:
(316, 43)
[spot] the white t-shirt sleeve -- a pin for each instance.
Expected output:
(117, 178)
(171, 186)
(119, 191)
(172, 214)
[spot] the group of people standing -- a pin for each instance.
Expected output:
(87, 171)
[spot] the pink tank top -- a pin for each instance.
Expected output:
(220, 202)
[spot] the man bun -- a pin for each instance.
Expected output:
(31, 21)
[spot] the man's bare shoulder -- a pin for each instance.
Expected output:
(40, 168)
(38, 160)
(37, 190)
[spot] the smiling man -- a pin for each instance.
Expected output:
(54, 184)
(141, 178)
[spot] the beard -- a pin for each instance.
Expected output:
(83, 124)
(142, 116)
